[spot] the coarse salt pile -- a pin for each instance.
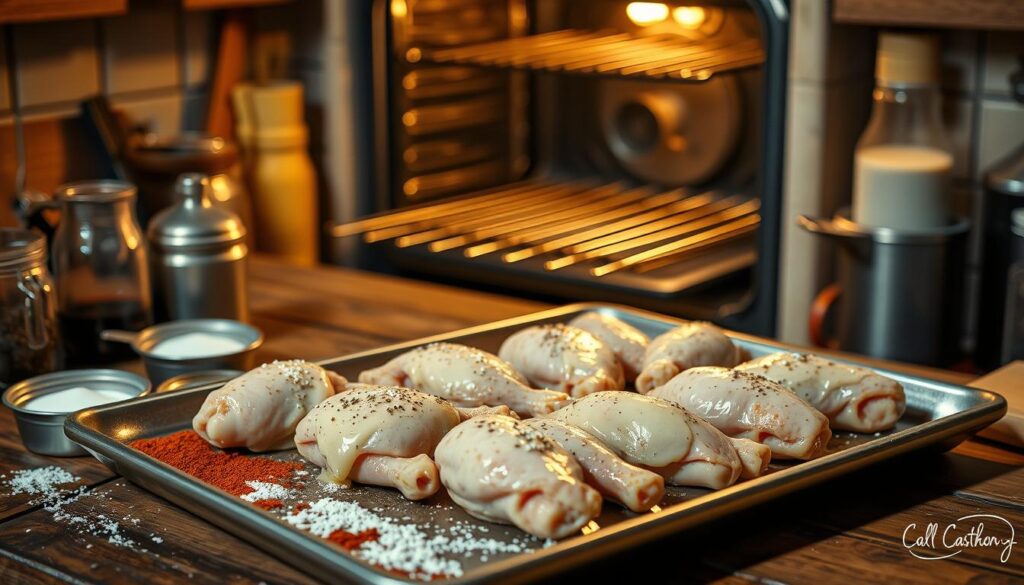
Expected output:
(40, 480)
(262, 490)
(401, 547)
(46, 483)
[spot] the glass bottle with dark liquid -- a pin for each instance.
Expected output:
(101, 269)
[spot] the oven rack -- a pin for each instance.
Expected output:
(600, 228)
(607, 53)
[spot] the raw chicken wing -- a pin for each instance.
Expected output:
(259, 409)
(502, 470)
(627, 342)
(635, 488)
(563, 358)
(687, 346)
(379, 435)
(853, 398)
(741, 404)
(658, 435)
(465, 376)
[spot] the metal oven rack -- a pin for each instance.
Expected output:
(610, 53)
(602, 228)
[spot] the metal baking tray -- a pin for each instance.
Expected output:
(939, 415)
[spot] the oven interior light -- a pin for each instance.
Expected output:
(689, 17)
(646, 13)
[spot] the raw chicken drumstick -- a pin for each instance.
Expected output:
(627, 342)
(741, 404)
(687, 346)
(259, 409)
(657, 435)
(853, 398)
(465, 376)
(635, 488)
(379, 435)
(501, 470)
(563, 358)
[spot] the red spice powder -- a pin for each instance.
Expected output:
(350, 541)
(300, 507)
(268, 504)
(187, 451)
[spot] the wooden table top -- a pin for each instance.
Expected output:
(849, 530)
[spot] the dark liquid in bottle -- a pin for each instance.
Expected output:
(81, 326)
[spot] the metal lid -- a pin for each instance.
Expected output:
(194, 221)
(19, 248)
(1008, 175)
(105, 191)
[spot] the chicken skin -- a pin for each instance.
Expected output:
(563, 358)
(501, 470)
(635, 488)
(627, 342)
(853, 398)
(464, 376)
(687, 346)
(657, 435)
(745, 405)
(260, 409)
(379, 435)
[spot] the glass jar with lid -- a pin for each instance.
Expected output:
(101, 269)
(29, 338)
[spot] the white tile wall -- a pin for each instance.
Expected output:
(57, 62)
(140, 48)
(162, 114)
(1000, 132)
(1003, 50)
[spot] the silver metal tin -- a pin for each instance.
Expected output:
(43, 432)
(938, 415)
(160, 369)
(196, 379)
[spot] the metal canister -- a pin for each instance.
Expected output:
(199, 257)
(901, 291)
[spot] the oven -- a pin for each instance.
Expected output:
(580, 149)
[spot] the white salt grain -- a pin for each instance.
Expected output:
(401, 546)
(40, 480)
(196, 345)
(266, 491)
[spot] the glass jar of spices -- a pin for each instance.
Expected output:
(29, 339)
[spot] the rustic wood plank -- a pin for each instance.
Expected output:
(39, 10)
(981, 14)
(190, 550)
(14, 457)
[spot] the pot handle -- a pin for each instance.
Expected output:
(119, 335)
(827, 227)
(820, 308)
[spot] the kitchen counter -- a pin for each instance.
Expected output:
(848, 530)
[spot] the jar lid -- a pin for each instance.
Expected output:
(20, 247)
(907, 59)
(103, 191)
(194, 220)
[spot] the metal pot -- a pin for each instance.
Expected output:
(901, 292)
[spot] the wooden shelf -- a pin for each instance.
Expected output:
(971, 14)
(219, 4)
(40, 10)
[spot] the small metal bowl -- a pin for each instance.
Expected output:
(196, 379)
(160, 368)
(43, 432)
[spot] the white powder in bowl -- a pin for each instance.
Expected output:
(72, 399)
(197, 345)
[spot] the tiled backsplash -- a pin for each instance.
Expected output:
(153, 62)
